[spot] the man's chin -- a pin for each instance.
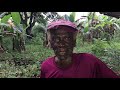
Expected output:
(62, 53)
(62, 57)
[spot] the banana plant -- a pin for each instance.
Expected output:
(71, 18)
(105, 26)
(98, 26)
(10, 24)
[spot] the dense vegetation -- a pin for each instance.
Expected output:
(26, 63)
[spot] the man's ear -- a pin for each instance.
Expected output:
(74, 35)
(74, 39)
(48, 40)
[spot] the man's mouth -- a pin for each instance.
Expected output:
(62, 51)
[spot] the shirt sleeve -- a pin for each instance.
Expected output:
(42, 73)
(103, 71)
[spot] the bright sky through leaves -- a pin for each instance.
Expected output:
(78, 14)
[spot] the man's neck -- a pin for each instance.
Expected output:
(63, 63)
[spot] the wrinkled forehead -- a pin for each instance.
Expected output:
(62, 31)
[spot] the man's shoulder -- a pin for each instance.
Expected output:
(86, 57)
(48, 60)
(84, 54)
(47, 64)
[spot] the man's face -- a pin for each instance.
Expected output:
(62, 43)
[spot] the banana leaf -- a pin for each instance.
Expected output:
(5, 18)
(16, 17)
(72, 17)
(86, 29)
(66, 17)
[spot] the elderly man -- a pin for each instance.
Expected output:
(65, 63)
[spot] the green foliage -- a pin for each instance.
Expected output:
(117, 36)
(99, 47)
(101, 24)
(25, 64)
(41, 20)
(16, 17)
(11, 71)
(66, 17)
(38, 39)
(15, 65)
(72, 17)
(14, 30)
(86, 28)
(38, 52)
(39, 34)
(7, 43)
(5, 18)
(80, 47)
(5, 56)
(112, 59)
(38, 29)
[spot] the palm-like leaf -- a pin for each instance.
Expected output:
(5, 18)
(66, 17)
(16, 17)
(72, 17)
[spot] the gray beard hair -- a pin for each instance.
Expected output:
(63, 57)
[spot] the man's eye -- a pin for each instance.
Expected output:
(57, 40)
(67, 38)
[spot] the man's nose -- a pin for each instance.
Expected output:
(61, 44)
(61, 39)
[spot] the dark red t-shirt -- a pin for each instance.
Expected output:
(84, 66)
